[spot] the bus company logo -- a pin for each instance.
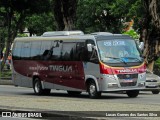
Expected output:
(128, 71)
(38, 68)
(60, 68)
(57, 68)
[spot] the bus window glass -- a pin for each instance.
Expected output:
(118, 50)
(17, 50)
(25, 53)
(67, 51)
(80, 53)
(56, 50)
(93, 56)
(35, 50)
(45, 48)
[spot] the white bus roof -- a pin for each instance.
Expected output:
(62, 33)
(71, 35)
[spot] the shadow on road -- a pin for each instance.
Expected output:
(82, 96)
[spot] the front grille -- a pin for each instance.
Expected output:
(151, 80)
(125, 84)
(127, 79)
(127, 76)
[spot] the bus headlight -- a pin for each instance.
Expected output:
(112, 77)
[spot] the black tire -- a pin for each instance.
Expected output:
(155, 91)
(132, 93)
(74, 93)
(92, 90)
(37, 87)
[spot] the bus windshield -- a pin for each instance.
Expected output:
(118, 51)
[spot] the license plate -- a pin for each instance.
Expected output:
(152, 84)
(127, 80)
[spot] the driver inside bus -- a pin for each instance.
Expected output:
(114, 52)
(106, 52)
(123, 52)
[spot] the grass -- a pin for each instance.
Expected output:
(6, 74)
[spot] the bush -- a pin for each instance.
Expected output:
(132, 33)
(157, 67)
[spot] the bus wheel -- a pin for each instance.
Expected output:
(92, 90)
(132, 93)
(72, 93)
(37, 86)
(155, 91)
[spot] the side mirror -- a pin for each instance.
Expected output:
(89, 47)
(141, 46)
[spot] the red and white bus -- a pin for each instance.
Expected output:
(72, 61)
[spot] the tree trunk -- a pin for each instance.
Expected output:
(151, 32)
(12, 33)
(65, 13)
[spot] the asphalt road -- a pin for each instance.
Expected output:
(23, 98)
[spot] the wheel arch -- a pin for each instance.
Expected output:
(34, 78)
(91, 78)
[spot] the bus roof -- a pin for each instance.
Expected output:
(72, 35)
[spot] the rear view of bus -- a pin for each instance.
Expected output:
(74, 62)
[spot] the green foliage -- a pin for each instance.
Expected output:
(27, 6)
(158, 62)
(96, 16)
(22, 35)
(157, 67)
(105, 15)
(14, 13)
(132, 33)
(137, 13)
(6, 74)
(38, 24)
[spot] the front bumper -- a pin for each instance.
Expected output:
(152, 84)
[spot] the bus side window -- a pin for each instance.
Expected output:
(35, 50)
(26, 50)
(67, 51)
(81, 53)
(56, 50)
(45, 46)
(17, 50)
(92, 56)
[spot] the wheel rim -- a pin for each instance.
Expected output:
(37, 87)
(92, 89)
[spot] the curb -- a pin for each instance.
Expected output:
(7, 81)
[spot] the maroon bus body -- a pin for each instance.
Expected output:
(53, 72)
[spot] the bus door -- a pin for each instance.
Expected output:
(80, 57)
(55, 65)
(72, 73)
(44, 65)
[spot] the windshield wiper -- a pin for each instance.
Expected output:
(118, 59)
(133, 58)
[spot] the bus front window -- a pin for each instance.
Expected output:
(115, 51)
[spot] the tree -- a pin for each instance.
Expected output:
(15, 12)
(151, 31)
(64, 13)
(103, 15)
(38, 24)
